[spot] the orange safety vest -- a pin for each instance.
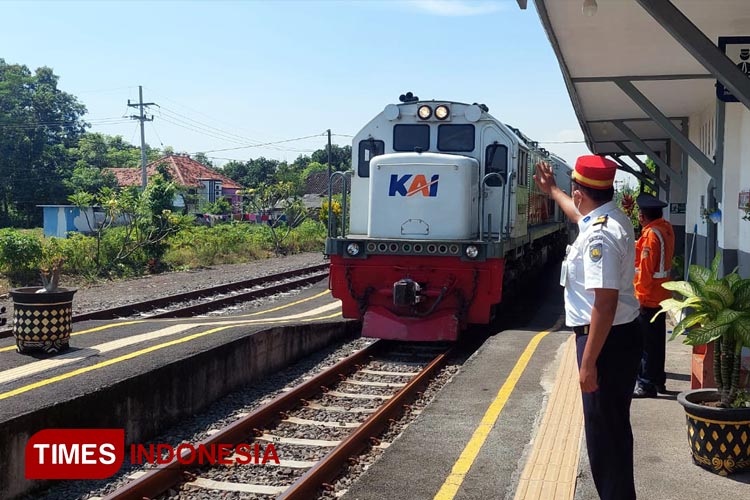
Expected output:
(653, 262)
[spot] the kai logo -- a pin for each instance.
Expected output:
(401, 186)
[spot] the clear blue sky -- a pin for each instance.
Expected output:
(269, 71)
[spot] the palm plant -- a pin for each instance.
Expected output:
(716, 310)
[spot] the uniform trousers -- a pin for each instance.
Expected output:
(651, 374)
(606, 411)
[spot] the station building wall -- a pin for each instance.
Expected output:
(731, 236)
(735, 232)
(699, 236)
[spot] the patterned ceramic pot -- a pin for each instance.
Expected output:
(42, 321)
(719, 437)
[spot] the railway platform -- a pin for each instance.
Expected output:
(143, 374)
(509, 426)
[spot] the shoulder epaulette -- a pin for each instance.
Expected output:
(601, 220)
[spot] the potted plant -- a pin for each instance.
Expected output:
(43, 316)
(716, 311)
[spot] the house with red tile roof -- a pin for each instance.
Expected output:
(207, 184)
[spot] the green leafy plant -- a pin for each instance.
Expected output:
(20, 254)
(717, 310)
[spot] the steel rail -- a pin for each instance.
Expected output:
(204, 307)
(160, 479)
(150, 305)
(324, 472)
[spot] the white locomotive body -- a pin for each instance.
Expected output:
(444, 216)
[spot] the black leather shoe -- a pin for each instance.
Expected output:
(662, 389)
(641, 392)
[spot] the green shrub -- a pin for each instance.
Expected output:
(223, 244)
(309, 236)
(20, 254)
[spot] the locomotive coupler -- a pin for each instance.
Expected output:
(406, 292)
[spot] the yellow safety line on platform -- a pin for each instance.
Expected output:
(132, 355)
(552, 465)
(134, 322)
(469, 454)
(284, 306)
(78, 355)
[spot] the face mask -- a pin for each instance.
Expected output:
(577, 204)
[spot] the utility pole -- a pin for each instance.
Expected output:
(329, 153)
(142, 118)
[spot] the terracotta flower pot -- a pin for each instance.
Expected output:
(42, 321)
(719, 437)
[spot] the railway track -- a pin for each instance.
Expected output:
(204, 300)
(318, 428)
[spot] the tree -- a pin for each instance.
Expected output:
(38, 124)
(341, 157)
(146, 220)
(276, 200)
(203, 160)
(252, 173)
(89, 179)
(105, 151)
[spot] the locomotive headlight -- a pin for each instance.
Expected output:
(472, 252)
(352, 249)
(442, 112)
(424, 112)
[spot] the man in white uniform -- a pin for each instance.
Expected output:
(601, 308)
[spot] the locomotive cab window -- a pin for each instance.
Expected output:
(411, 137)
(368, 149)
(496, 160)
(455, 138)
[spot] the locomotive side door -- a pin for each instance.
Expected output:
(496, 155)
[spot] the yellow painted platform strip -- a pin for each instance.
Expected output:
(131, 355)
(552, 465)
(126, 323)
(456, 478)
(79, 355)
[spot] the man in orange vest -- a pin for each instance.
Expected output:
(653, 263)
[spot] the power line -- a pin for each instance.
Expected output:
(193, 110)
(265, 144)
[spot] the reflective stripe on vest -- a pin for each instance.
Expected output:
(662, 273)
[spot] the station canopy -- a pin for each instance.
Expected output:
(604, 55)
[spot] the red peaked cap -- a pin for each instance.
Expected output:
(595, 172)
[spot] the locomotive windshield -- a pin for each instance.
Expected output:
(411, 137)
(368, 149)
(455, 138)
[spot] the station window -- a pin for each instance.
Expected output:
(455, 138)
(411, 137)
(496, 160)
(368, 149)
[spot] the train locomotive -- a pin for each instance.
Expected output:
(444, 219)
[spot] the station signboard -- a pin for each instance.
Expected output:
(736, 48)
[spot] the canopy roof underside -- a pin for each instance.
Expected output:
(623, 41)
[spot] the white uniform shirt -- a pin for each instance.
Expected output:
(602, 256)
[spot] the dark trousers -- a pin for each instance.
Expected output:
(606, 411)
(651, 373)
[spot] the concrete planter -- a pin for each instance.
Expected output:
(719, 437)
(42, 321)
